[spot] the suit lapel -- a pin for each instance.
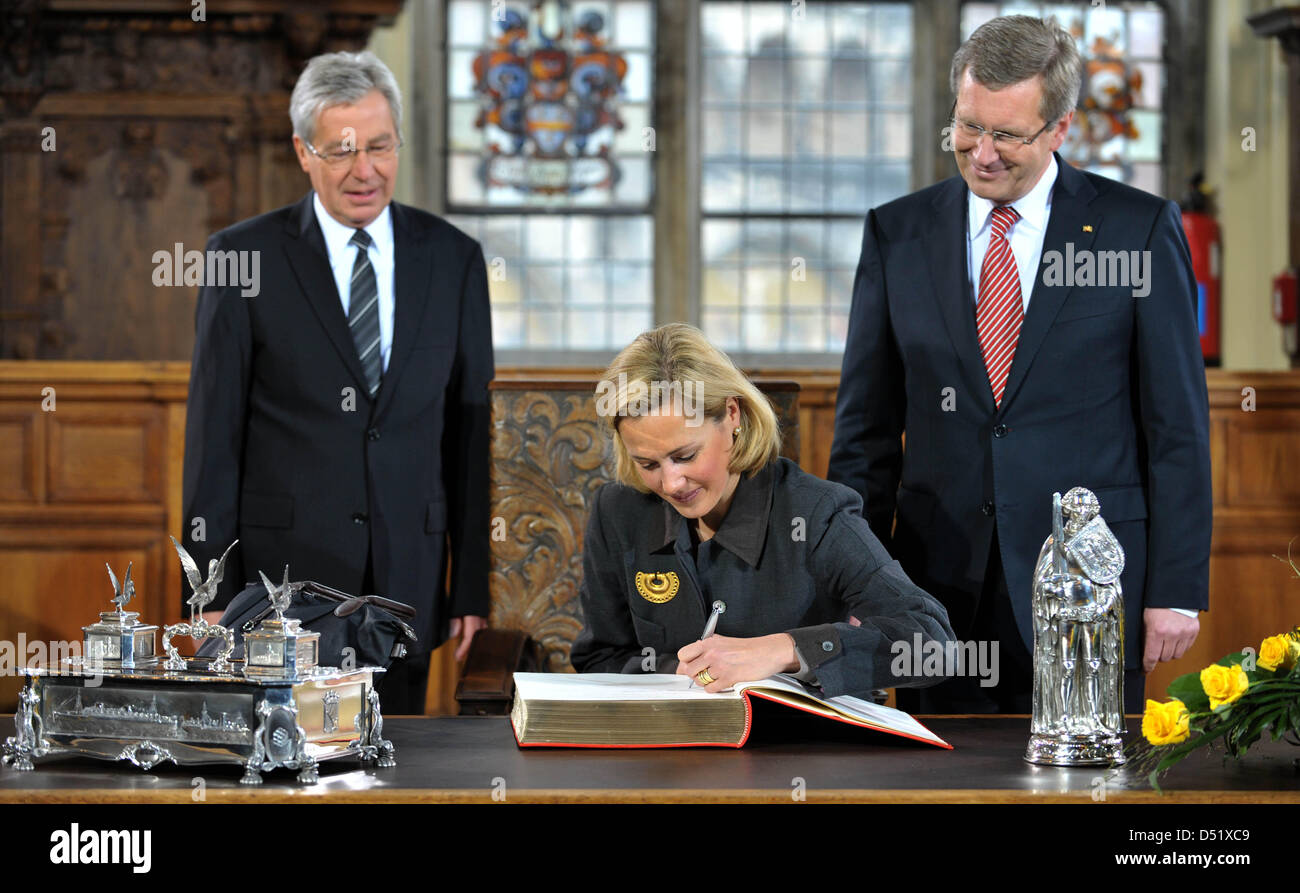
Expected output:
(310, 262)
(1070, 213)
(413, 262)
(945, 248)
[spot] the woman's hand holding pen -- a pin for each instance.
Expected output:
(730, 660)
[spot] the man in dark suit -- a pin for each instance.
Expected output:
(338, 420)
(1015, 373)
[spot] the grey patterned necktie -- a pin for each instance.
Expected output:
(363, 311)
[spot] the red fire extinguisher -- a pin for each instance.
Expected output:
(1284, 310)
(1204, 241)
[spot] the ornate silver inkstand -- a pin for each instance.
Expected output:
(1078, 614)
(125, 703)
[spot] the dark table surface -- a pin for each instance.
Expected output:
(469, 759)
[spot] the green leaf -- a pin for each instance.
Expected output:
(1266, 689)
(1187, 688)
(1250, 729)
(1267, 696)
(1246, 731)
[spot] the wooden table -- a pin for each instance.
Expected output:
(471, 759)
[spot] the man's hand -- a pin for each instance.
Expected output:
(730, 660)
(212, 617)
(471, 624)
(1169, 635)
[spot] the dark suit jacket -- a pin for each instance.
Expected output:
(792, 555)
(1106, 391)
(275, 456)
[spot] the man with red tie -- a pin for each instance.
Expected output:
(994, 324)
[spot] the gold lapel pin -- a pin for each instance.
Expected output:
(657, 588)
(1087, 227)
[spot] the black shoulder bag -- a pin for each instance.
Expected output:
(371, 626)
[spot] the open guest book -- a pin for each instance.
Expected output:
(662, 710)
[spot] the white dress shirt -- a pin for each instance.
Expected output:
(1026, 236)
(382, 259)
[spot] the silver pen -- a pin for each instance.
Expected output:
(719, 608)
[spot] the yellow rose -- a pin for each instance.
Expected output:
(1224, 684)
(1165, 723)
(1278, 651)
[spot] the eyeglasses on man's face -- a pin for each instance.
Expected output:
(342, 156)
(971, 132)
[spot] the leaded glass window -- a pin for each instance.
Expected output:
(550, 164)
(806, 125)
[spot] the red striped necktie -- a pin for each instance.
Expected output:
(1000, 310)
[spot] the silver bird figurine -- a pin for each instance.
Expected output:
(204, 591)
(124, 592)
(281, 595)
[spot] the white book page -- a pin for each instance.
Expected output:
(879, 714)
(855, 708)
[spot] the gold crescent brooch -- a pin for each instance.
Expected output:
(657, 588)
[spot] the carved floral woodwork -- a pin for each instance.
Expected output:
(549, 456)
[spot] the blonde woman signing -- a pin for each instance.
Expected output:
(705, 511)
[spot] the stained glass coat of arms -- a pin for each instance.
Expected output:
(549, 125)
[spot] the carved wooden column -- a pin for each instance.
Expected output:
(128, 127)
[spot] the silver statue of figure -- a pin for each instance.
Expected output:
(1078, 613)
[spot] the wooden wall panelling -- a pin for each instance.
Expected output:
(1266, 472)
(101, 453)
(21, 445)
(1255, 467)
(817, 392)
(96, 454)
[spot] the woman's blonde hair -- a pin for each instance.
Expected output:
(674, 369)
